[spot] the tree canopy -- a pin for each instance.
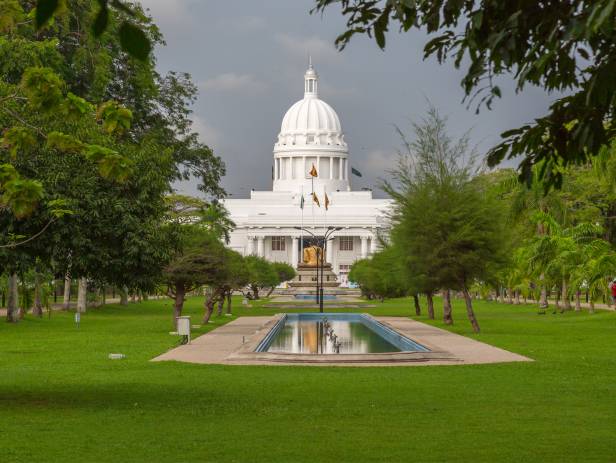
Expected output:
(561, 46)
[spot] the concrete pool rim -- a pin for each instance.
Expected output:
(393, 337)
(249, 350)
(234, 343)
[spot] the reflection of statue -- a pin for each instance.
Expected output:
(310, 255)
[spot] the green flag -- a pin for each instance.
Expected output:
(354, 171)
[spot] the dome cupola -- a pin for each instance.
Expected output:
(310, 134)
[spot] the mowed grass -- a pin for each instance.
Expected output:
(63, 400)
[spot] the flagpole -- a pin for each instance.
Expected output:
(312, 202)
(301, 233)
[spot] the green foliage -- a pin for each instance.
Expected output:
(134, 41)
(75, 106)
(65, 143)
(18, 139)
(284, 271)
(11, 14)
(262, 274)
(560, 46)
(115, 118)
(43, 88)
(21, 196)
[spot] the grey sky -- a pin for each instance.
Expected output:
(248, 58)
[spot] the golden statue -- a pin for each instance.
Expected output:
(310, 255)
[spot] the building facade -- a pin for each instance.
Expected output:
(269, 223)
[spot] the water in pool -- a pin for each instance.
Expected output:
(313, 336)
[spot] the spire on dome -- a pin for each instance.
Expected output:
(311, 80)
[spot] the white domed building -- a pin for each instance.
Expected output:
(267, 223)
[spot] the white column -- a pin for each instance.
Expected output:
(250, 246)
(331, 167)
(260, 247)
(373, 244)
(318, 166)
(340, 163)
(364, 246)
(294, 251)
(329, 254)
(304, 168)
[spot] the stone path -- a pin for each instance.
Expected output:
(217, 345)
(221, 346)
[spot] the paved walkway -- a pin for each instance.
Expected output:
(221, 345)
(217, 345)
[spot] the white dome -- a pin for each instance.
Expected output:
(311, 121)
(311, 116)
(310, 139)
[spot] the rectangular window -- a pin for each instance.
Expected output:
(278, 243)
(346, 243)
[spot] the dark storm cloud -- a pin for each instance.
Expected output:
(248, 58)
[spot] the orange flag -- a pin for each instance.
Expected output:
(315, 199)
(313, 171)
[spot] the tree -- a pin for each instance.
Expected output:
(284, 272)
(446, 223)
(559, 46)
(197, 257)
(237, 277)
(83, 178)
(261, 275)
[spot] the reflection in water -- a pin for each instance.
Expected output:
(309, 337)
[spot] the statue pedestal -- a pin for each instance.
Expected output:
(305, 280)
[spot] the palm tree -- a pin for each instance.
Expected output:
(599, 263)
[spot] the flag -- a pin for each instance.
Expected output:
(301, 202)
(315, 199)
(354, 171)
(326, 202)
(313, 171)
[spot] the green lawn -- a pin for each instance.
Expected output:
(62, 400)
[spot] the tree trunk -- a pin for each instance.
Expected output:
(509, 296)
(270, 291)
(37, 308)
(221, 302)
(578, 304)
(517, 297)
(469, 310)
(543, 298)
(255, 292)
(447, 316)
(592, 306)
(124, 295)
(417, 306)
(12, 304)
(566, 301)
(430, 306)
(82, 295)
(209, 308)
(229, 294)
(178, 303)
(66, 301)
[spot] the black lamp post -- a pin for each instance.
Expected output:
(320, 258)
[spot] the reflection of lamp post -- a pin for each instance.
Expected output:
(321, 252)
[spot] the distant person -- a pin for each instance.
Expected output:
(613, 288)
